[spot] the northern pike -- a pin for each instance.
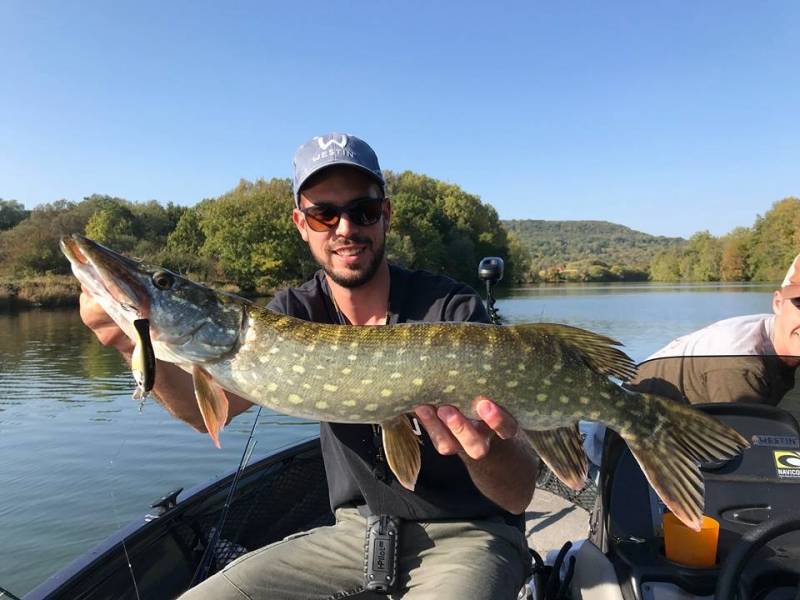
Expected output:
(548, 376)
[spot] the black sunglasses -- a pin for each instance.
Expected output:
(361, 211)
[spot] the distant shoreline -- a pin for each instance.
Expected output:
(63, 291)
(44, 291)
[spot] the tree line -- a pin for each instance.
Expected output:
(762, 252)
(245, 238)
(585, 250)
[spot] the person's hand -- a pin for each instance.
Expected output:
(106, 330)
(453, 433)
(174, 389)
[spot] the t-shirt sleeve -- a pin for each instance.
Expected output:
(279, 303)
(464, 304)
(738, 385)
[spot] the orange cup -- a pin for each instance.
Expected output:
(689, 547)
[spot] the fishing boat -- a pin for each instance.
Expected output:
(171, 544)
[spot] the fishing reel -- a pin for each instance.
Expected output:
(490, 270)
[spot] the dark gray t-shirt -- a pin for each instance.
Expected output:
(355, 474)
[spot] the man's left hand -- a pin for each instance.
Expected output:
(453, 433)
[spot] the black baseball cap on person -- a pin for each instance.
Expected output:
(329, 150)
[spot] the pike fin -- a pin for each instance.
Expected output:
(212, 402)
(562, 450)
(401, 446)
(670, 454)
(600, 353)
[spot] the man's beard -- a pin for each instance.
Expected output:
(348, 278)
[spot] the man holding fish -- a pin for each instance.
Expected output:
(362, 346)
(461, 529)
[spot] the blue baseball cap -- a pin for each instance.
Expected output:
(329, 150)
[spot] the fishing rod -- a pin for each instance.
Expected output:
(209, 553)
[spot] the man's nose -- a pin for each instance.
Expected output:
(345, 226)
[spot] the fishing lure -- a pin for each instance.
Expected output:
(143, 361)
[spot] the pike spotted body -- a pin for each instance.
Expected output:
(547, 376)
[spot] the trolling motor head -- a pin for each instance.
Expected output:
(490, 270)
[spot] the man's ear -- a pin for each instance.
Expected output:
(777, 302)
(299, 220)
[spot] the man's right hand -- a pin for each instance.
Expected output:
(173, 388)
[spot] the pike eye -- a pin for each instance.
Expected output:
(163, 280)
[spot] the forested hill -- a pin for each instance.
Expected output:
(572, 247)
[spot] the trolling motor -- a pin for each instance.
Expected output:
(490, 270)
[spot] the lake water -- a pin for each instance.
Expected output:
(78, 459)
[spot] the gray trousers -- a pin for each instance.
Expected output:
(474, 560)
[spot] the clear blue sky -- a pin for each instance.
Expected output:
(668, 117)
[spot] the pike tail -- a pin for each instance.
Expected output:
(670, 454)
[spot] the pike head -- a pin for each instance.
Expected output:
(189, 323)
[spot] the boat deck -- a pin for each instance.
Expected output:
(551, 520)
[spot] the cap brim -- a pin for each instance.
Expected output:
(790, 291)
(338, 163)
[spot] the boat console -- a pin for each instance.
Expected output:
(755, 497)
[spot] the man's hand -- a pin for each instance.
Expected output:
(453, 433)
(174, 388)
(498, 456)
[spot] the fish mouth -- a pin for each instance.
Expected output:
(100, 268)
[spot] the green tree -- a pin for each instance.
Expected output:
(155, 221)
(774, 240)
(519, 261)
(11, 214)
(249, 231)
(665, 266)
(31, 247)
(115, 226)
(440, 227)
(415, 237)
(188, 236)
(183, 251)
(702, 258)
(733, 262)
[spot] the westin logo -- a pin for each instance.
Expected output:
(341, 142)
